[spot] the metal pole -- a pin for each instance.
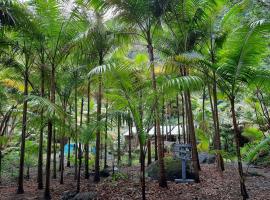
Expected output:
(184, 174)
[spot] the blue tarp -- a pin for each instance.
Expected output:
(92, 150)
(66, 148)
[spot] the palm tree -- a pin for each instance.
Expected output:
(100, 40)
(145, 16)
(129, 80)
(185, 22)
(64, 90)
(60, 37)
(237, 60)
(17, 16)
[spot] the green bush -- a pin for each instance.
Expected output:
(119, 176)
(253, 134)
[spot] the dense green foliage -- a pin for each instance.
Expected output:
(81, 72)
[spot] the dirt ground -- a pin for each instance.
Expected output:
(213, 186)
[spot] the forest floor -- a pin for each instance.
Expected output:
(213, 186)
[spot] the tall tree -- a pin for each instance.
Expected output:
(145, 15)
(237, 60)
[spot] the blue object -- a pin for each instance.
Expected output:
(71, 148)
(93, 150)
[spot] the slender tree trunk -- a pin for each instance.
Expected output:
(24, 126)
(54, 152)
(170, 117)
(0, 166)
(40, 146)
(143, 176)
(80, 153)
(86, 159)
(203, 109)
(47, 194)
(149, 159)
(195, 160)
(238, 153)
(141, 121)
(217, 142)
(166, 122)
(178, 118)
(187, 120)
(62, 161)
(99, 98)
(162, 175)
(118, 141)
(68, 158)
(156, 146)
(101, 148)
(106, 137)
(163, 123)
(183, 118)
(79, 168)
(76, 129)
(62, 157)
(220, 162)
(129, 142)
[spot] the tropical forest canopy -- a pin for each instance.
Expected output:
(97, 95)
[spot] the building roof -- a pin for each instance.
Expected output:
(174, 130)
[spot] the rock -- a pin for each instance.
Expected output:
(67, 195)
(206, 158)
(173, 169)
(105, 173)
(70, 195)
(85, 196)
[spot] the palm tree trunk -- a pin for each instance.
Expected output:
(149, 159)
(24, 124)
(129, 142)
(118, 141)
(40, 146)
(187, 121)
(86, 159)
(54, 152)
(99, 98)
(183, 118)
(62, 158)
(80, 153)
(170, 117)
(163, 123)
(178, 118)
(106, 136)
(217, 142)
(156, 146)
(79, 168)
(76, 129)
(195, 160)
(0, 166)
(47, 194)
(162, 176)
(203, 107)
(68, 158)
(220, 162)
(143, 175)
(237, 136)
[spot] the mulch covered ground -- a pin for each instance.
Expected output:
(212, 186)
